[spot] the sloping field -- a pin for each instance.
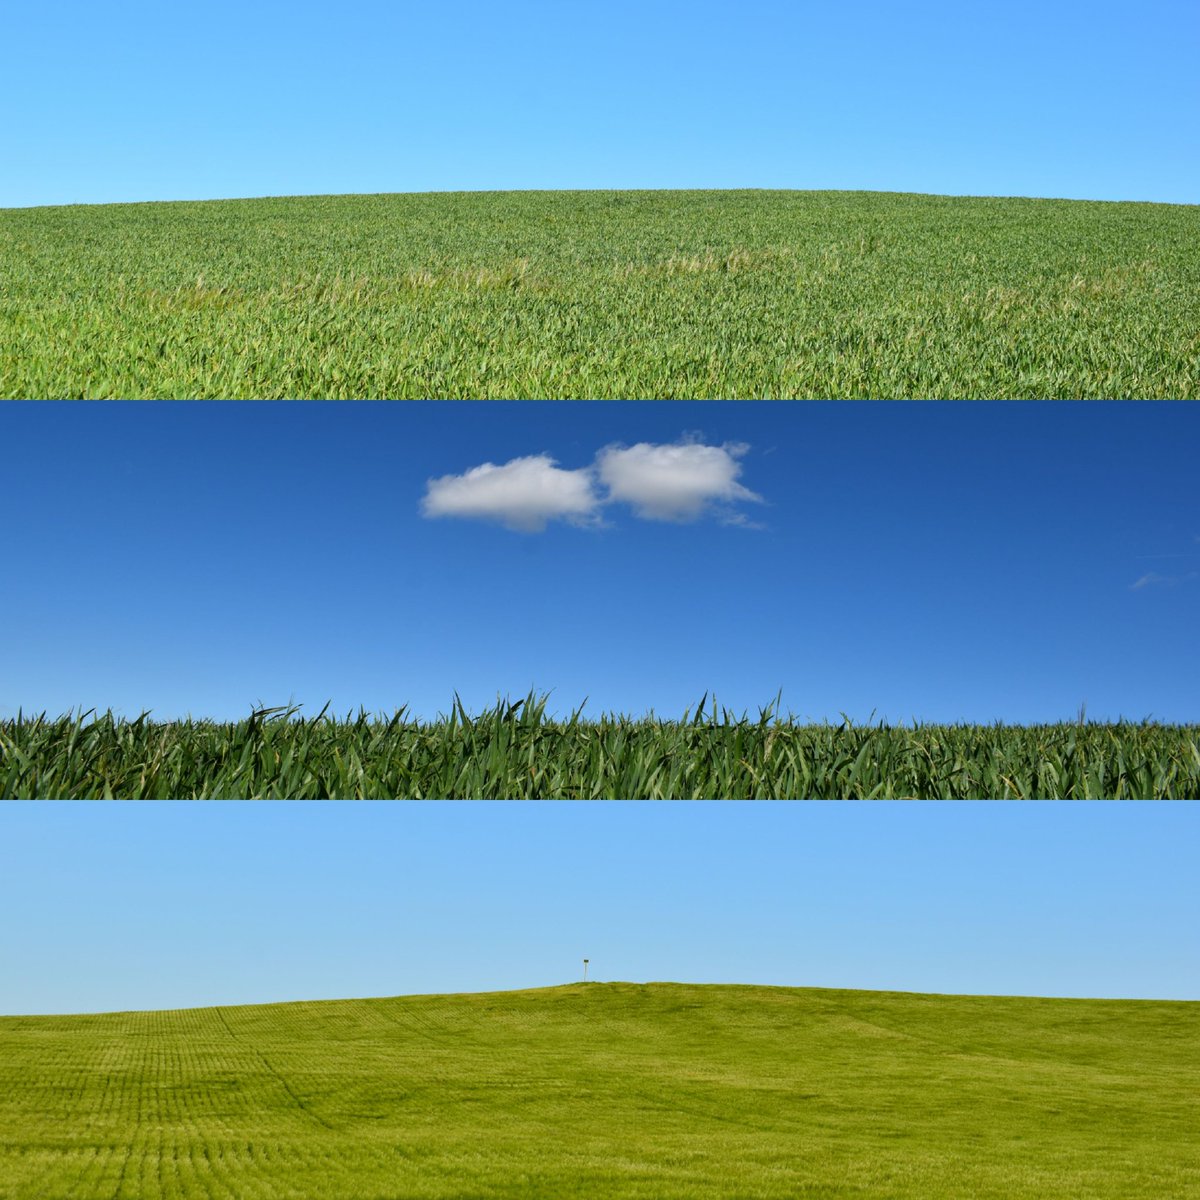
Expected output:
(607, 1090)
(628, 295)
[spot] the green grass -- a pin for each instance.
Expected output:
(514, 751)
(633, 295)
(609, 1091)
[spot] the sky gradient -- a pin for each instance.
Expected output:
(145, 101)
(164, 905)
(901, 561)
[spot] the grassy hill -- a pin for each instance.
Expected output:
(608, 1090)
(630, 294)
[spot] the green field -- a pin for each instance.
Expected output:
(514, 751)
(602, 294)
(608, 1090)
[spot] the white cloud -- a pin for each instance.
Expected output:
(523, 494)
(674, 482)
(677, 482)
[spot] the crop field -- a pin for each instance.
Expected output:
(514, 751)
(602, 294)
(611, 1091)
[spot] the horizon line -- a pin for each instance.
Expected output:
(593, 983)
(576, 190)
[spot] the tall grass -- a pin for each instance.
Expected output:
(514, 751)
(637, 295)
(608, 1091)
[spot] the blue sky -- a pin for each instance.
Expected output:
(165, 905)
(927, 561)
(140, 100)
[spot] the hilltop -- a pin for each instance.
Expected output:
(602, 294)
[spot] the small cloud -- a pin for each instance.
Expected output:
(1152, 579)
(673, 482)
(1147, 580)
(522, 495)
(741, 521)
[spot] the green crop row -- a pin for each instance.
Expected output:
(634, 295)
(514, 751)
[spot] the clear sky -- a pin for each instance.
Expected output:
(160, 905)
(927, 561)
(142, 100)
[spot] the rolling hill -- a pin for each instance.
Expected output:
(607, 1090)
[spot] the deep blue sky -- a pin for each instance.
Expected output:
(141, 100)
(161, 905)
(925, 560)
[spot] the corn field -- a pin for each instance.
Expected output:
(514, 751)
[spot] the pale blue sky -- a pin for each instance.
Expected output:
(920, 560)
(139, 100)
(161, 905)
